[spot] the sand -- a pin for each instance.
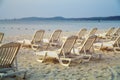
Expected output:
(108, 68)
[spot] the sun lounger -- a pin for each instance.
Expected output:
(93, 31)
(8, 61)
(36, 41)
(1, 37)
(115, 34)
(107, 34)
(86, 49)
(63, 54)
(108, 45)
(54, 39)
(81, 35)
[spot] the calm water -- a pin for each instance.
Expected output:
(29, 27)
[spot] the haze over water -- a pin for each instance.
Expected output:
(29, 27)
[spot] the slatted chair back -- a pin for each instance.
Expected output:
(93, 31)
(1, 37)
(110, 31)
(8, 54)
(38, 36)
(68, 45)
(117, 32)
(87, 45)
(117, 42)
(81, 33)
(55, 36)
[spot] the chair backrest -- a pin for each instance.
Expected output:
(68, 45)
(55, 35)
(87, 45)
(110, 31)
(8, 53)
(117, 42)
(81, 33)
(117, 32)
(92, 32)
(1, 37)
(38, 36)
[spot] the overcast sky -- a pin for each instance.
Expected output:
(66, 8)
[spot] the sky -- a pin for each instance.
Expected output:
(10, 9)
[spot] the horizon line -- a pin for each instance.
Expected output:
(61, 17)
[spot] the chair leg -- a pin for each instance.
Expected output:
(43, 59)
(35, 47)
(116, 50)
(89, 57)
(65, 64)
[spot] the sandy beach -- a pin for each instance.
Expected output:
(88, 47)
(108, 68)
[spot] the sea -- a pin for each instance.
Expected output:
(29, 27)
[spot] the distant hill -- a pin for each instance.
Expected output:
(41, 18)
(62, 18)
